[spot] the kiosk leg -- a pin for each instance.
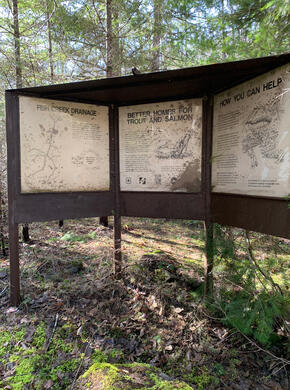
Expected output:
(208, 262)
(25, 233)
(14, 264)
(104, 221)
(2, 239)
(117, 244)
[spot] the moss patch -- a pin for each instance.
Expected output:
(105, 376)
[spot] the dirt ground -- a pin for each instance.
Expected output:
(75, 313)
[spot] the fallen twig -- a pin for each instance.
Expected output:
(279, 247)
(253, 260)
(275, 372)
(52, 334)
(79, 368)
(2, 293)
(226, 386)
(284, 361)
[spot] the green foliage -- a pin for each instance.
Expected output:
(249, 299)
(203, 380)
(121, 377)
(99, 356)
(71, 237)
(37, 365)
(223, 244)
(191, 32)
(254, 315)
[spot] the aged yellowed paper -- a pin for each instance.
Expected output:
(64, 146)
(251, 137)
(160, 146)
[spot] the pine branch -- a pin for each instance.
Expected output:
(254, 262)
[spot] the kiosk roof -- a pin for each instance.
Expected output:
(185, 83)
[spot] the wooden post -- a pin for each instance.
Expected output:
(14, 264)
(104, 221)
(209, 259)
(117, 246)
(12, 128)
(2, 239)
(208, 225)
(117, 213)
(25, 233)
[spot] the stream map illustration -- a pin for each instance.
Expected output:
(64, 146)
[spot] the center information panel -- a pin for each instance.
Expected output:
(64, 146)
(160, 146)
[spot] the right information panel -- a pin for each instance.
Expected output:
(251, 137)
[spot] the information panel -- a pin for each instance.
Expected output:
(64, 146)
(160, 146)
(251, 137)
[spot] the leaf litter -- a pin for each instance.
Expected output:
(75, 312)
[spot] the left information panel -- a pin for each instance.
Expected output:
(64, 146)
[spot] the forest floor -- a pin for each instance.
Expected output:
(75, 313)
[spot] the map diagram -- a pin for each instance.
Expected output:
(177, 150)
(64, 146)
(261, 128)
(43, 166)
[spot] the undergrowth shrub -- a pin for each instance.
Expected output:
(255, 315)
(246, 297)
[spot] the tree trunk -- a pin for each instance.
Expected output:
(50, 59)
(157, 34)
(18, 73)
(116, 55)
(18, 70)
(109, 66)
(223, 29)
(48, 16)
(109, 39)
